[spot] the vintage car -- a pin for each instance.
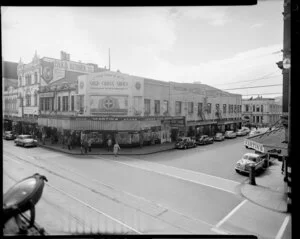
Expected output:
(184, 143)
(219, 137)
(243, 165)
(242, 132)
(9, 135)
(25, 140)
(204, 139)
(230, 134)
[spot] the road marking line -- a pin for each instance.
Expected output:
(231, 213)
(283, 227)
(219, 231)
(186, 170)
(173, 176)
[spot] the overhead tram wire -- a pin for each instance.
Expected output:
(241, 88)
(276, 93)
(267, 76)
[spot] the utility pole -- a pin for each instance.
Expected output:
(108, 58)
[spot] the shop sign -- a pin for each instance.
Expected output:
(254, 145)
(174, 122)
(109, 81)
(48, 94)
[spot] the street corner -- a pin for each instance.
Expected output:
(264, 197)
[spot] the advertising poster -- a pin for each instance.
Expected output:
(108, 104)
(123, 138)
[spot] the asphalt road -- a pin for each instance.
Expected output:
(178, 192)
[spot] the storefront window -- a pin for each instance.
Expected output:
(178, 107)
(147, 106)
(190, 107)
(156, 106)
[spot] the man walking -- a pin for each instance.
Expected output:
(116, 149)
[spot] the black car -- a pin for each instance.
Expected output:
(185, 143)
(204, 139)
(9, 135)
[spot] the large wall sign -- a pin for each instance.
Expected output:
(53, 69)
(109, 81)
(108, 104)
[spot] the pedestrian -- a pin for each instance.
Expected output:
(69, 142)
(85, 145)
(109, 144)
(116, 149)
(90, 144)
(43, 137)
(81, 146)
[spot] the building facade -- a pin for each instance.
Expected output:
(261, 112)
(62, 97)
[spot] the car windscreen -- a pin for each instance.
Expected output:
(27, 137)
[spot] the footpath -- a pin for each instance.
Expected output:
(147, 149)
(269, 191)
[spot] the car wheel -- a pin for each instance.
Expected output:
(238, 171)
(185, 147)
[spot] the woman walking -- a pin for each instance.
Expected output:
(116, 149)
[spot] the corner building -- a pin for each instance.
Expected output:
(134, 110)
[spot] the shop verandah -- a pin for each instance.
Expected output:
(127, 131)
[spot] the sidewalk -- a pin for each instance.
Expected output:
(269, 191)
(148, 149)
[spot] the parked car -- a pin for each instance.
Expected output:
(184, 143)
(25, 140)
(219, 137)
(243, 165)
(230, 134)
(9, 135)
(242, 132)
(204, 139)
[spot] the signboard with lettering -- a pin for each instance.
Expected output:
(254, 145)
(53, 69)
(48, 94)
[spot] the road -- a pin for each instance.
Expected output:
(195, 191)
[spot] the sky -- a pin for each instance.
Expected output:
(227, 47)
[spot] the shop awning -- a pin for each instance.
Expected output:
(270, 140)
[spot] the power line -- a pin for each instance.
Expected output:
(265, 94)
(267, 76)
(253, 87)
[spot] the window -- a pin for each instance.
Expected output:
(247, 108)
(224, 108)
(257, 119)
(190, 107)
(147, 106)
(35, 99)
(217, 107)
(28, 100)
(156, 106)
(261, 108)
(253, 119)
(178, 107)
(261, 119)
(65, 103)
(166, 106)
(257, 108)
(41, 104)
(235, 110)
(81, 103)
(208, 108)
(35, 77)
(72, 103)
(200, 106)
(47, 103)
(253, 108)
(52, 103)
(20, 80)
(58, 103)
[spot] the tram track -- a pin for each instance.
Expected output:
(112, 198)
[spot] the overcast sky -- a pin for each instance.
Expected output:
(218, 46)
